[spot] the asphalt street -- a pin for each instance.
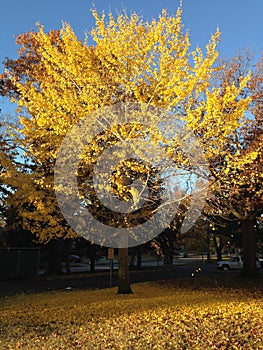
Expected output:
(101, 279)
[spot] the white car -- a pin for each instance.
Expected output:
(235, 263)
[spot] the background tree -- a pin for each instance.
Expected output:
(167, 241)
(238, 170)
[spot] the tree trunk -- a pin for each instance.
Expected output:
(55, 252)
(67, 250)
(218, 248)
(68, 267)
(124, 286)
(208, 255)
(92, 264)
(249, 235)
(139, 259)
(168, 256)
(132, 261)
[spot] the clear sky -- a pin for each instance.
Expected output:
(240, 21)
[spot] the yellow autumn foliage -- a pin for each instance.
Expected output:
(132, 61)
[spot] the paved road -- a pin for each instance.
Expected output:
(100, 279)
(104, 264)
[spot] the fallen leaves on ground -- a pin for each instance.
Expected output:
(164, 315)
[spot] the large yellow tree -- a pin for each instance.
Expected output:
(59, 80)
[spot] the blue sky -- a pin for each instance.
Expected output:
(240, 21)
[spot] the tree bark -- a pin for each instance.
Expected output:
(92, 264)
(124, 286)
(249, 235)
(208, 254)
(139, 259)
(218, 248)
(68, 267)
(55, 251)
(168, 255)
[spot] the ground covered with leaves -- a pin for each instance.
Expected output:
(176, 314)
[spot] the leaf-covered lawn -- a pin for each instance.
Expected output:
(165, 315)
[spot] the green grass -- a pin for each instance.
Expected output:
(178, 314)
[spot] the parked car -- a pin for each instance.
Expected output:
(74, 258)
(235, 263)
(182, 255)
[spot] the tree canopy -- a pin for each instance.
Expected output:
(59, 80)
